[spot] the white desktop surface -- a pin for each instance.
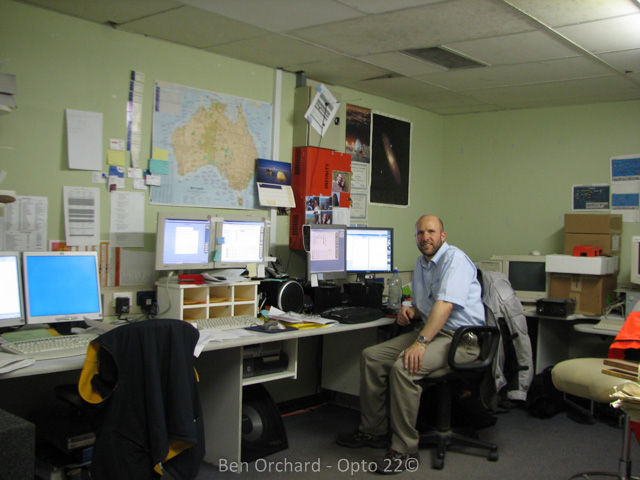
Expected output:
(76, 362)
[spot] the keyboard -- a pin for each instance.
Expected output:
(51, 347)
(225, 323)
(351, 314)
(613, 322)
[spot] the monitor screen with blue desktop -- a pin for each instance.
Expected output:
(369, 250)
(61, 287)
(327, 252)
(11, 303)
(183, 241)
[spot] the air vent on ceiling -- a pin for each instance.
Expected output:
(442, 57)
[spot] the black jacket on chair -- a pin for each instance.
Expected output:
(142, 379)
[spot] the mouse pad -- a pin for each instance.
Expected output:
(260, 329)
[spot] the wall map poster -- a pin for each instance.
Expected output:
(390, 161)
(212, 142)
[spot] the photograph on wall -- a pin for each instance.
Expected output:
(390, 161)
(358, 133)
(341, 181)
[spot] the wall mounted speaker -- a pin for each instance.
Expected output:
(263, 431)
(287, 295)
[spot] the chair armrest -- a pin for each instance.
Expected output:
(489, 340)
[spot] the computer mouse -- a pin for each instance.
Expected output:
(271, 325)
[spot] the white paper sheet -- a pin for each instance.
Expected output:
(127, 219)
(84, 139)
(81, 215)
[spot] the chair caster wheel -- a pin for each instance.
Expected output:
(438, 461)
(493, 455)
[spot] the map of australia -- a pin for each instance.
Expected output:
(212, 141)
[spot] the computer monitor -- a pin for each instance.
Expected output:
(11, 302)
(635, 260)
(369, 251)
(61, 287)
(527, 275)
(241, 240)
(327, 252)
(183, 241)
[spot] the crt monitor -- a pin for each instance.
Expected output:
(635, 260)
(61, 286)
(11, 303)
(327, 252)
(241, 240)
(183, 241)
(369, 250)
(527, 276)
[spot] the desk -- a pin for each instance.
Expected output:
(220, 368)
(560, 338)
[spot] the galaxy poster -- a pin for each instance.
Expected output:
(390, 161)
(358, 134)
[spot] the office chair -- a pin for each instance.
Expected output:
(583, 377)
(444, 380)
(141, 383)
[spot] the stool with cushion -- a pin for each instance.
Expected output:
(583, 377)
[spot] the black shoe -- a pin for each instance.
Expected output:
(396, 462)
(360, 439)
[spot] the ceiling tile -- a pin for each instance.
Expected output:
(401, 63)
(426, 26)
(275, 51)
(622, 33)
(341, 71)
(625, 61)
(570, 12)
(202, 29)
(115, 11)
(279, 15)
(513, 49)
(400, 88)
(537, 72)
(611, 87)
(382, 6)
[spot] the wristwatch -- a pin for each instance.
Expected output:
(422, 340)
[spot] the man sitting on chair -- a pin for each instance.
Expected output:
(446, 296)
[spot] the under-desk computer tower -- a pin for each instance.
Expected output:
(312, 173)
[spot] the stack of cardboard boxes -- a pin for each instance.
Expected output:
(592, 291)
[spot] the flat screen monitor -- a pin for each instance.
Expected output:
(241, 240)
(183, 241)
(61, 286)
(327, 252)
(527, 276)
(369, 250)
(635, 260)
(11, 302)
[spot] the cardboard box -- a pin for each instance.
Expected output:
(591, 292)
(581, 265)
(599, 223)
(610, 244)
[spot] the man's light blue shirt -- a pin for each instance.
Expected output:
(450, 276)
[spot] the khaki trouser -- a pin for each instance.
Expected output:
(383, 375)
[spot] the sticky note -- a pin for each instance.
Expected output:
(115, 157)
(160, 153)
(158, 167)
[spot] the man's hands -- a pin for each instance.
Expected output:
(413, 356)
(405, 315)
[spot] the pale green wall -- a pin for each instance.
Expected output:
(507, 180)
(62, 62)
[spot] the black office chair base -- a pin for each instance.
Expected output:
(450, 439)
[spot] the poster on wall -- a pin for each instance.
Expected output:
(390, 161)
(594, 198)
(625, 186)
(358, 134)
